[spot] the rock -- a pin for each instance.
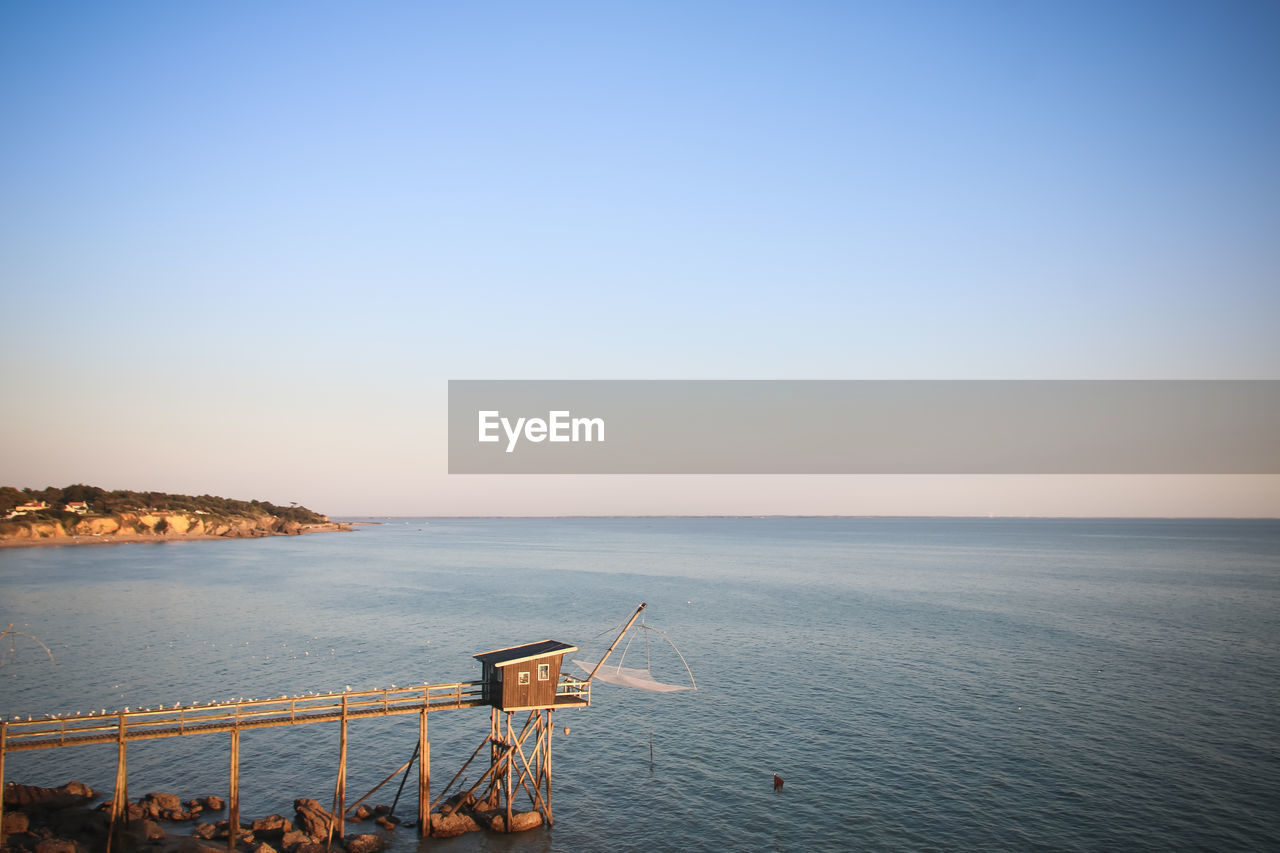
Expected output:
(223, 830)
(313, 819)
(311, 847)
(447, 826)
(78, 789)
(205, 830)
(174, 815)
(456, 802)
(79, 822)
(261, 847)
(293, 839)
(193, 845)
(14, 823)
(151, 831)
(55, 845)
(212, 803)
(387, 823)
(381, 810)
(164, 801)
(520, 821)
(272, 825)
(366, 843)
(363, 813)
(70, 794)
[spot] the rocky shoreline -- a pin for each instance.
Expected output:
(153, 527)
(64, 820)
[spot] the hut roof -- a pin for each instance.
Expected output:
(529, 651)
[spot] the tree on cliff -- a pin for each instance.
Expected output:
(10, 498)
(103, 502)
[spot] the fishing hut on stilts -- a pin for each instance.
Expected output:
(522, 686)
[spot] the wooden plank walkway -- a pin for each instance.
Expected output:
(121, 727)
(115, 726)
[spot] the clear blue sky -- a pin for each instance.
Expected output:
(244, 245)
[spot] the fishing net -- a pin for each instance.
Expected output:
(640, 679)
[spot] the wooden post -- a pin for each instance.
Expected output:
(511, 748)
(233, 792)
(623, 633)
(340, 790)
(120, 796)
(3, 726)
(424, 777)
(547, 767)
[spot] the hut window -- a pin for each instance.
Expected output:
(544, 672)
(522, 678)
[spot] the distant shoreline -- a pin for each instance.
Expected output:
(157, 539)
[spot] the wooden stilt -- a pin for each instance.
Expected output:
(2, 736)
(233, 792)
(340, 789)
(547, 768)
(458, 775)
(120, 796)
(424, 778)
(511, 739)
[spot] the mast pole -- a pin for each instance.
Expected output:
(625, 629)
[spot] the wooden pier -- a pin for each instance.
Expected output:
(123, 727)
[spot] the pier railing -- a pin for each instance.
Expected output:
(574, 688)
(148, 723)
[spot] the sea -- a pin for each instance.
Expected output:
(919, 683)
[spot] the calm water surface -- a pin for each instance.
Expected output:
(921, 684)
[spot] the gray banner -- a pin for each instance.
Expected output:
(864, 427)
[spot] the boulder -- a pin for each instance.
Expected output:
(170, 802)
(363, 813)
(520, 821)
(313, 819)
(70, 794)
(293, 839)
(388, 823)
(365, 843)
(223, 830)
(56, 845)
(456, 802)
(14, 823)
(78, 789)
(272, 826)
(193, 845)
(447, 826)
(261, 847)
(205, 830)
(212, 803)
(151, 831)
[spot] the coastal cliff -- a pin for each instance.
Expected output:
(157, 525)
(84, 514)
